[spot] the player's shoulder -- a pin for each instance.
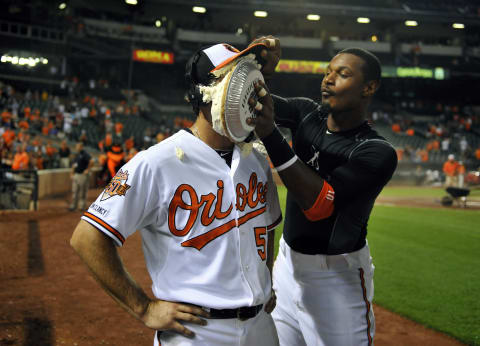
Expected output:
(166, 150)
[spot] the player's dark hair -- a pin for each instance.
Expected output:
(372, 69)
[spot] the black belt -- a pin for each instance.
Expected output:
(243, 313)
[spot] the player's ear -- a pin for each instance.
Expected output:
(370, 88)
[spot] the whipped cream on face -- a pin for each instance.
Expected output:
(214, 92)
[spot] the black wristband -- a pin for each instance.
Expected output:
(278, 149)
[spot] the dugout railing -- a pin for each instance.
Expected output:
(18, 189)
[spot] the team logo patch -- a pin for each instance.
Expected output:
(117, 186)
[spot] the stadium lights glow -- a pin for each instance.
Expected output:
(374, 38)
(131, 2)
(22, 61)
(62, 6)
(313, 17)
(199, 9)
(458, 26)
(411, 23)
(261, 14)
(363, 20)
(158, 23)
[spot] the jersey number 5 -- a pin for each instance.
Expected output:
(260, 235)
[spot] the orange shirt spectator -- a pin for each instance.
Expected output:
(400, 152)
(129, 143)
(20, 161)
(477, 154)
(461, 169)
(6, 116)
(114, 159)
(108, 140)
(27, 111)
(423, 155)
(396, 128)
(410, 132)
(118, 128)
(23, 124)
(8, 137)
(45, 129)
(436, 144)
(50, 150)
(93, 113)
(450, 168)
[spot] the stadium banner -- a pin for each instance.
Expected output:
(301, 66)
(155, 56)
(319, 67)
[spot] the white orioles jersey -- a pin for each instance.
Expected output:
(204, 225)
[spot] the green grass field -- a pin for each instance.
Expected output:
(427, 263)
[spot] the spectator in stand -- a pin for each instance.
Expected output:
(450, 170)
(83, 137)
(8, 136)
(51, 153)
(463, 145)
(410, 132)
(6, 116)
(396, 128)
(461, 174)
(21, 159)
(131, 153)
(64, 153)
(80, 169)
(115, 159)
(129, 144)
(119, 130)
(446, 144)
(400, 153)
(477, 154)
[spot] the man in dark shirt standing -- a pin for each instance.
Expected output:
(80, 169)
(323, 274)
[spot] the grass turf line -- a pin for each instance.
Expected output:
(427, 263)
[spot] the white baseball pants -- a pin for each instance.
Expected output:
(324, 300)
(259, 330)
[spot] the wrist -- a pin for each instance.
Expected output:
(279, 151)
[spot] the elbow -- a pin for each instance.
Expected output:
(324, 205)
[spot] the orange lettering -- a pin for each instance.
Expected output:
(177, 202)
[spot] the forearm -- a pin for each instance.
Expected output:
(302, 182)
(100, 255)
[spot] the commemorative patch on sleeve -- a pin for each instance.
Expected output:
(117, 186)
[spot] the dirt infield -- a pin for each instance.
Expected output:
(47, 296)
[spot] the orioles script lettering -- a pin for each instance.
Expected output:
(209, 206)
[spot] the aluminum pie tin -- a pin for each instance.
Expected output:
(236, 108)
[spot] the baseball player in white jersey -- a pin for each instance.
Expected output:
(206, 209)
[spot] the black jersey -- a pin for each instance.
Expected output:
(357, 163)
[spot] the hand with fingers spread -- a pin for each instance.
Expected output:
(272, 55)
(163, 315)
(264, 122)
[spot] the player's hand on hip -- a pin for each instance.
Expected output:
(163, 315)
(271, 55)
(272, 302)
(264, 121)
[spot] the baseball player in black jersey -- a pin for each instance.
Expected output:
(323, 274)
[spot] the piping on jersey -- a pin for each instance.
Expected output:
(253, 195)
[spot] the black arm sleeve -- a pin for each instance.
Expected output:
(289, 112)
(369, 168)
